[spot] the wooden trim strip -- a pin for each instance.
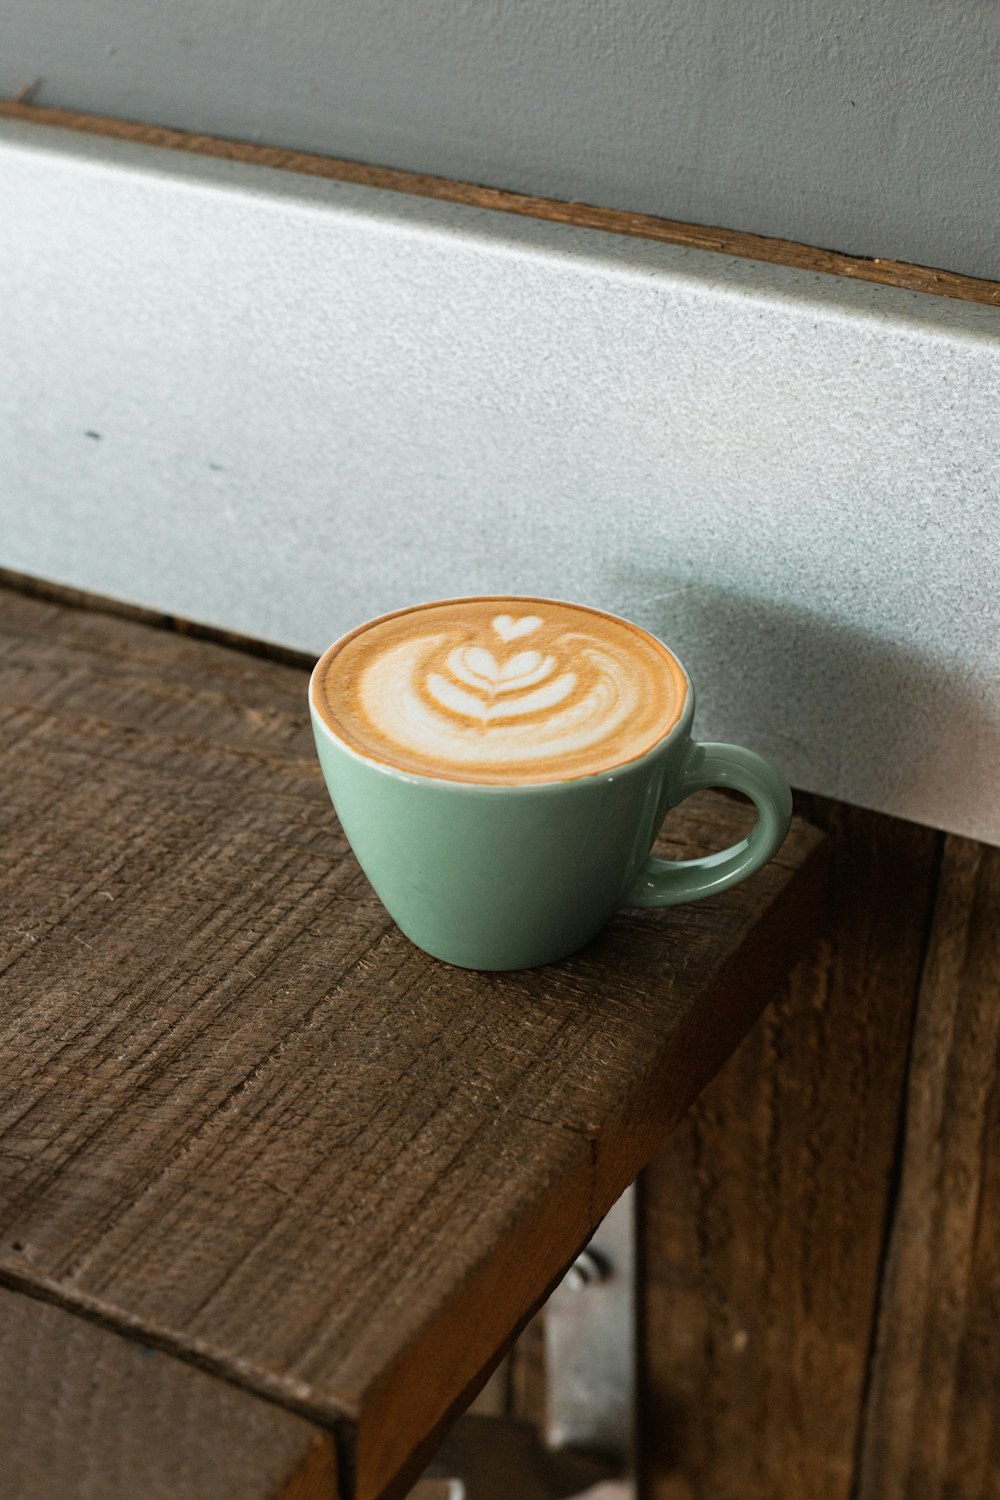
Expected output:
(616, 221)
(233, 640)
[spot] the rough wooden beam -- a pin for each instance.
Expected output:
(766, 1212)
(933, 1423)
(88, 1415)
(242, 1118)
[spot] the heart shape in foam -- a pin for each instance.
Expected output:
(509, 629)
(483, 664)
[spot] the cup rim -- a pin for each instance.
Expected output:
(607, 773)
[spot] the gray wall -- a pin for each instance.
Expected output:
(872, 129)
(282, 405)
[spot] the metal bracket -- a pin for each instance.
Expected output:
(589, 1448)
(590, 1352)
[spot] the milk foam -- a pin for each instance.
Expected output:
(501, 691)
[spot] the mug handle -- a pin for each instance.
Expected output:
(668, 882)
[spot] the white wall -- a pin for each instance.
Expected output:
(871, 129)
(281, 405)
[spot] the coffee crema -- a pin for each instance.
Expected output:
(502, 691)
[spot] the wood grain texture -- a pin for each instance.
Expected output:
(616, 221)
(88, 1415)
(246, 1120)
(932, 1429)
(62, 593)
(765, 1214)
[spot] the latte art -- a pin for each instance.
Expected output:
(500, 691)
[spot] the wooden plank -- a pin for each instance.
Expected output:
(616, 221)
(240, 1115)
(61, 593)
(764, 1217)
(88, 1415)
(933, 1421)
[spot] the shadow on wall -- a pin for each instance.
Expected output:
(838, 708)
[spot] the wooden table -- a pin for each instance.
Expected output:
(277, 1189)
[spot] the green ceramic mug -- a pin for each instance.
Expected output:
(489, 873)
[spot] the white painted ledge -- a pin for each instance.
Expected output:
(280, 405)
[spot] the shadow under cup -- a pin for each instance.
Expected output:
(510, 877)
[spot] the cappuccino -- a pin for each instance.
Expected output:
(500, 691)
